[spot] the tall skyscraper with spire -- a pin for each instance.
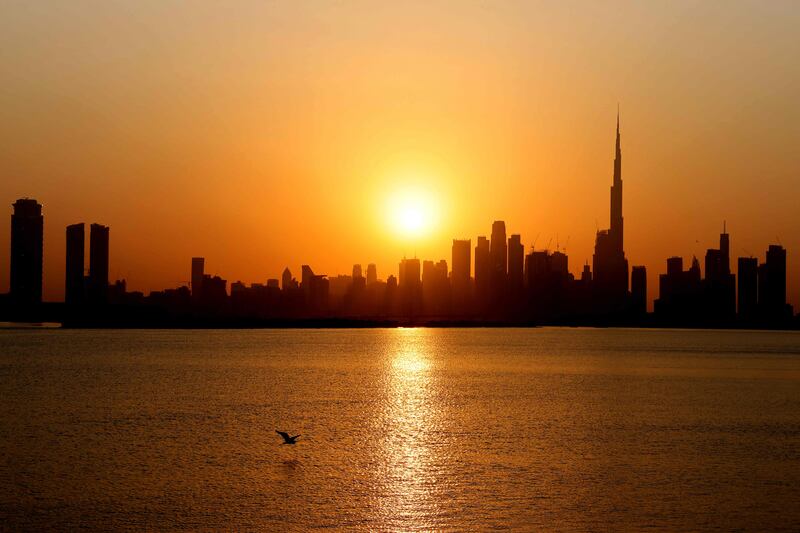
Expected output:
(609, 262)
(616, 230)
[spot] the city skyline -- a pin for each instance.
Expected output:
(55, 289)
(508, 284)
(506, 262)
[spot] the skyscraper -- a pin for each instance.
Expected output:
(98, 263)
(435, 289)
(198, 270)
(680, 293)
(639, 290)
(306, 277)
(429, 286)
(287, 281)
(498, 260)
(409, 275)
(357, 272)
(460, 276)
(748, 287)
(27, 242)
(609, 263)
(719, 283)
(372, 274)
(482, 270)
(410, 286)
(316, 288)
(772, 284)
(516, 263)
(74, 287)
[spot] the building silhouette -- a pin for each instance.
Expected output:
(720, 284)
(680, 292)
(435, 288)
(341, 291)
(498, 262)
(549, 284)
(748, 288)
(316, 288)
(74, 285)
(609, 263)
(214, 298)
(288, 282)
(27, 245)
(586, 275)
(198, 272)
(98, 264)
(516, 264)
(639, 290)
(460, 277)
(772, 285)
(482, 272)
(358, 288)
(410, 287)
(372, 274)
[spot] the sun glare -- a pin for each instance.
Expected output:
(412, 213)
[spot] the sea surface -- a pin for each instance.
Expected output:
(402, 430)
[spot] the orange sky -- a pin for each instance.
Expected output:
(261, 135)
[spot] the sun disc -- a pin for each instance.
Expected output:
(411, 213)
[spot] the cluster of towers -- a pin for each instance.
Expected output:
(508, 283)
(79, 288)
(500, 282)
(687, 298)
(27, 246)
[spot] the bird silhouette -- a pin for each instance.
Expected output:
(286, 438)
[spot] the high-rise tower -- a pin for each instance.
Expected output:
(616, 228)
(482, 270)
(98, 263)
(610, 266)
(461, 275)
(498, 258)
(74, 284)
(516, 261)
(27, 227)
(198, 271)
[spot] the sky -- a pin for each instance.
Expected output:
(269, 134)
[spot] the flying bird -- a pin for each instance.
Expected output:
(286, 438)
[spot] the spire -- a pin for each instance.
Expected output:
(616, 194)
(618, 140)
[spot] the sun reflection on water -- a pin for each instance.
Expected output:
(410, 422)
(410, 362)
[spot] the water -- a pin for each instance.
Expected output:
(403, 429)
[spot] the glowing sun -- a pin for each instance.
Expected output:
(412, 212)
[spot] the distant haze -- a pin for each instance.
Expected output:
(267, 134)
